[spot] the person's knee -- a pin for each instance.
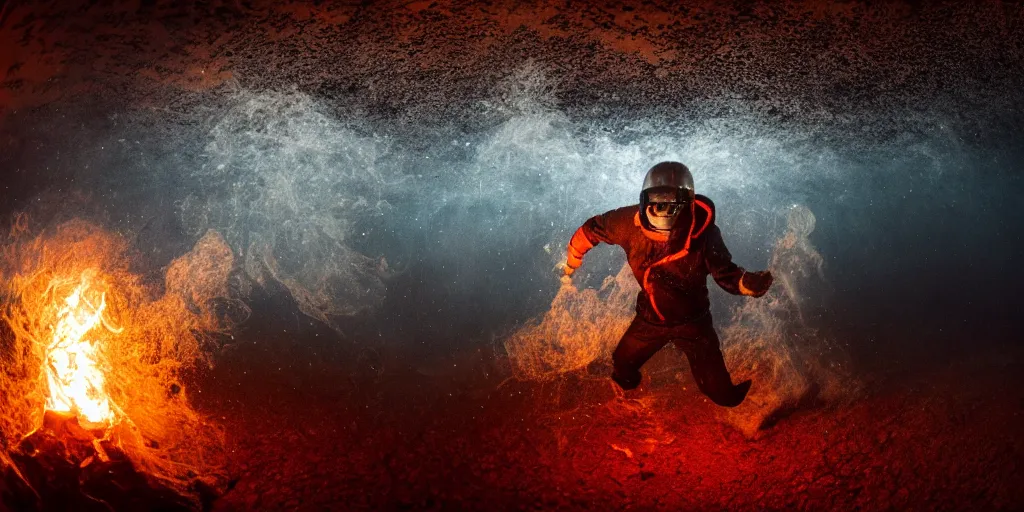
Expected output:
(726, 398)
(726, 395)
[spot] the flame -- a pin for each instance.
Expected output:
(73, 362)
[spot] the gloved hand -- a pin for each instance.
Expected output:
(566, 271)
(756, 283)
(567, 274)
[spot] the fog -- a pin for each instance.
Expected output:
(442, 239)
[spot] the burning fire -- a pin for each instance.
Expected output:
(70, 359)
(74, 368)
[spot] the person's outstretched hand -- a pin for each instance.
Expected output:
(758, 282)
(567, 271)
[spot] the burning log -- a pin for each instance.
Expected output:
(79, 468)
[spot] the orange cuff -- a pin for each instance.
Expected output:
(743, 289)
(573, 262)
(578, 246)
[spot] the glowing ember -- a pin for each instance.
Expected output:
(73, 368)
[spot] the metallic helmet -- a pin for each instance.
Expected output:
(667, 195)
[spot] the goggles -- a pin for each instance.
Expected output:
(664, 209)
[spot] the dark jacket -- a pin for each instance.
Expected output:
(672, 273)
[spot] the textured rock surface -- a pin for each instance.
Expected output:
(846, 65)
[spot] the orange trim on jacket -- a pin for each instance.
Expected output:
(657, 236)
(679, 255)
(685, 296)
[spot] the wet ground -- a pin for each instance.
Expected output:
(304, 434)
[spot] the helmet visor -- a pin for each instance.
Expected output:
(666, 196)
(664, 209)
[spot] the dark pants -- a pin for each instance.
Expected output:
(698, 340)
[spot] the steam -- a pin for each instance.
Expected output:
(581, 327)
(324, 205)
(771, 340)
(288, 184)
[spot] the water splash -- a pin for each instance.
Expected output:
(772, 341)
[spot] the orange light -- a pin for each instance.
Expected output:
(74, 368)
